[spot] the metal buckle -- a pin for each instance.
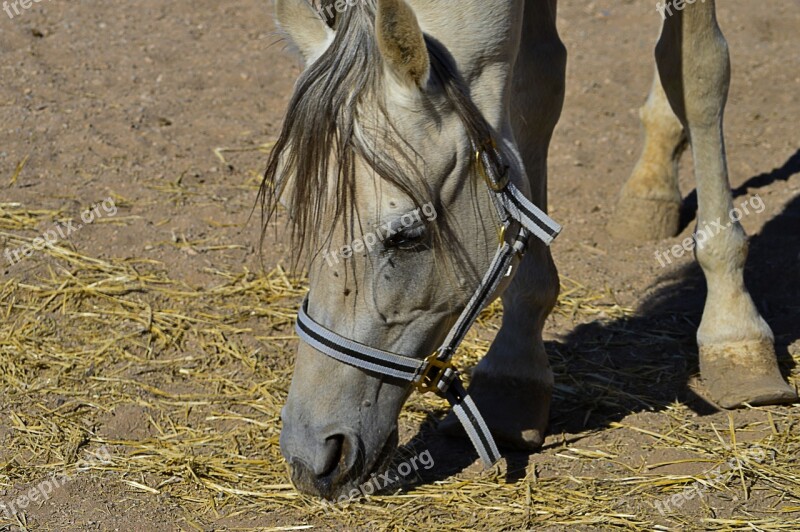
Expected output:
(428, 382)
(495, 186)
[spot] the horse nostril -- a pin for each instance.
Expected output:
(332, 455)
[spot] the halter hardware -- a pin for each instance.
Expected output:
(436, 373)
(495, 184)
(501, 234)
(445, 372)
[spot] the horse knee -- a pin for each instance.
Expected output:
(532, 295)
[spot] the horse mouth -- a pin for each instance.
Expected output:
(384, 458)
(344, 485)
(355, 487)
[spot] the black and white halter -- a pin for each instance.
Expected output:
(436, 373)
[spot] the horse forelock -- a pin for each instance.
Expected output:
(323, 134)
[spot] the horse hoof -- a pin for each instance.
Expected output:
(516, 411)
(741, 373)
(638, 219)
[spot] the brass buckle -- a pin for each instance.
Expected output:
(428, 381)
(494, 186)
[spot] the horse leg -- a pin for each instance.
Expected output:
(649, 205)
(513, 384)
(737, 355)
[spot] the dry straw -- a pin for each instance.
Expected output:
(204, 372)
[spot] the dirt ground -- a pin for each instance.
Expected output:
(156, 330)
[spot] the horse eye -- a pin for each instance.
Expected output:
(408, 238)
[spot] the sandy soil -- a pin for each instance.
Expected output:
(130, 101)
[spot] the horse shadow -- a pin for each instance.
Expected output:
(607, 370)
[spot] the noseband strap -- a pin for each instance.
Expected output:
(436, 373)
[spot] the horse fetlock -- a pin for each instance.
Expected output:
(722, 249)
(744, 372)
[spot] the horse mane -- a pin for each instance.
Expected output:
(324, 131)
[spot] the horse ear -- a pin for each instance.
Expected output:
(401, 42)
(305, 27)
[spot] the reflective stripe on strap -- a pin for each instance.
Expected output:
(509, 200)
(473, 423)
(529, 215)
(497, 271)
(354, 353)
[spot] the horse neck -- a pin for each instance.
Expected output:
(483, 37)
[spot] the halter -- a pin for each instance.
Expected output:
(436, 373)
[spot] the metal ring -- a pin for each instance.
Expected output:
(495, 186)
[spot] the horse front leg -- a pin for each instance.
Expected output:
(513, 384)
(737, 354)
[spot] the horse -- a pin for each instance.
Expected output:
(407, 106)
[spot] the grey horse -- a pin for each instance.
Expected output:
(383, 122)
